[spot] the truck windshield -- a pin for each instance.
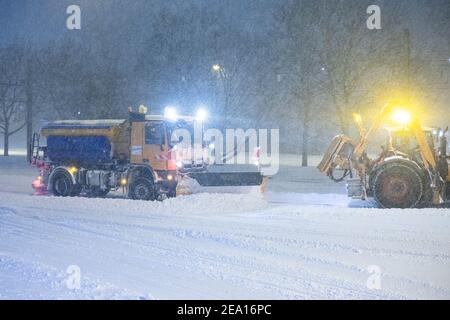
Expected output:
(154, 133)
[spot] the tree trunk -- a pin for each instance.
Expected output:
(6, 142)
(29, 109)
(344, 121)
(305, 137)
(345, 126)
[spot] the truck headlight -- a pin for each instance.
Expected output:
(170, 113)
(201, 115)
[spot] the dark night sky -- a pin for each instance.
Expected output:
(128, 22)
(39, 21)
(42, 20)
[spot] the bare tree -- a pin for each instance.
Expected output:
(351, 55)
(301, 71)
(78, 82)
(199, 57)
(11, 93)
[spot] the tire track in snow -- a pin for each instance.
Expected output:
(206, 257)
(214, 254)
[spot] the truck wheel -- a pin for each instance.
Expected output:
(397, 185)
(62, 185)
(142, 189)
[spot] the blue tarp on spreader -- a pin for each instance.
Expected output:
(82, 150)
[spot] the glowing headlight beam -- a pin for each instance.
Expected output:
(170, 113)
(401, 116)
(201, 115)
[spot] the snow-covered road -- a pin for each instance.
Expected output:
(284, 244)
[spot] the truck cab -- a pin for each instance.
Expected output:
(153, 143)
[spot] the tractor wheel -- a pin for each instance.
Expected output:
(397, 185)
(142, 189)
(62, 185)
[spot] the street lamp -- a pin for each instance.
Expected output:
(201, 114)
(216, 67)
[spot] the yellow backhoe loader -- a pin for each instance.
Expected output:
(411, 171)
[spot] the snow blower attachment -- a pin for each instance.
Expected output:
(136, 156)
(411, 171)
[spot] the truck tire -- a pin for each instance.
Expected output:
(62, 185)
(397, 185)
(142, 189)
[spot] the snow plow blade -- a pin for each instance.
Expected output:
(227, 179)
(221, 182)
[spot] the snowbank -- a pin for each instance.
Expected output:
(197, 204)
(221, 246)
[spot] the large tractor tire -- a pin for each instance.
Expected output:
(142, 189)
(398, 185)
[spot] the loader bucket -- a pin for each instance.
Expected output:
(336, 146)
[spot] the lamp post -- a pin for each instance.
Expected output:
(219, 72)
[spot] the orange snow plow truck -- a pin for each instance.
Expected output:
(136, 155)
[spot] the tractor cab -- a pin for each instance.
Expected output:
(402, 141)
